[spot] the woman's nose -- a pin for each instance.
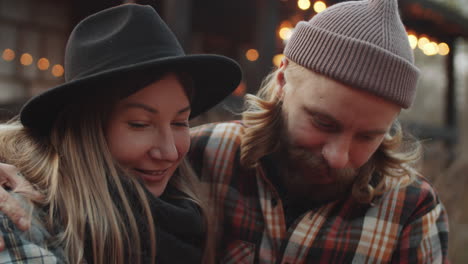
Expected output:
(165, 148)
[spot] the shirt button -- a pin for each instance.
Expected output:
(274, 202)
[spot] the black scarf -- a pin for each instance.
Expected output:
(179, 228)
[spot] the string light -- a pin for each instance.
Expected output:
(277, 59)
(285, 30)
(303, 4)
(43, 64)
(422, 42)
(319, 6)
(285, 33)
(427, 46)
(444, 49)
(26, 59)
(431, 49)
(252, 55)
(413, 40)
(8, 55)
(57, 70)
(240, 90)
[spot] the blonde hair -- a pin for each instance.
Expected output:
(86, 191)
(74, 169)
(395, 157)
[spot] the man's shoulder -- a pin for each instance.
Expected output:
(417, 187)
(210, 128)
(216, 133)
(414, 197)
(215, 146)
(25, 246)
(428, 200)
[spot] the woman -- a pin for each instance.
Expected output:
(119, 120)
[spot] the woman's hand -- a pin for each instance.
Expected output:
(11, 179)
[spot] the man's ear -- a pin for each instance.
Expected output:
(280, 80)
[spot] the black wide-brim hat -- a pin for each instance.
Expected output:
(128, 44)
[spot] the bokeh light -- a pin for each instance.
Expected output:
(444, 49)
(43, 64)
(8, 55)
(413, 40)
(422, 42)
(277, 59)
(240, 90)
(285, 33)
(431, 49)
(57, 70)
(303, 4)
(252, 55)
(26, 59)
(319, 6)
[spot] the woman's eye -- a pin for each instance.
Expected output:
(367, 138)
(137, 124)
(181, 124)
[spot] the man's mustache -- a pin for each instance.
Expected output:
(309, 159)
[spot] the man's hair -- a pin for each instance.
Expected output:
(91, 199)
(396, 157)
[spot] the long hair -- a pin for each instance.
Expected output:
(396, 157)
(86, 191)
(75, 170)
(188, 183)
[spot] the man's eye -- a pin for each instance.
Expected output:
(324, 124)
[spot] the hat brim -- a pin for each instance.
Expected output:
(214, 77)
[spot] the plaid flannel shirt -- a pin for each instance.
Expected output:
(405, 225)
(28, 247)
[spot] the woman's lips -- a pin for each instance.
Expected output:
(152, 175)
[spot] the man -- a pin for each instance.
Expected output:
(317, 171)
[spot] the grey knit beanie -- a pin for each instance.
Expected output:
(359, 43)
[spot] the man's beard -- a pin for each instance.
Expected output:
(306, 175)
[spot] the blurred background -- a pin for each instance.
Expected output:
(33, 35)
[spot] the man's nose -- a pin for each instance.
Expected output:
(336, 152)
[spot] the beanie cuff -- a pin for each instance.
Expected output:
(354, 62)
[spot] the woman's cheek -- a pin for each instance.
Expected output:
(127, 145)
(182, 141)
